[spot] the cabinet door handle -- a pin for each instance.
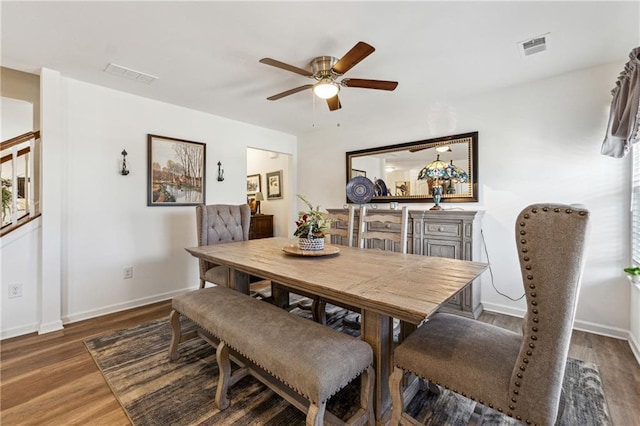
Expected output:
(441, 229)
(388, 226)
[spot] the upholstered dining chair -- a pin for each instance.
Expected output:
(219, 224)
(518, 374)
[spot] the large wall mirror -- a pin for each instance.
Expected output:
(407, 172)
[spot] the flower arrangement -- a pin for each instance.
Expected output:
(311, 223)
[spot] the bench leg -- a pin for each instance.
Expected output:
(365, 414)
(176, 335)
(315, 414)
(367, 390)
(396, 389)
(224, 378)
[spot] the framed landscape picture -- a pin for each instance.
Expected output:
(253, 184)
(274, 185)
(176, 171)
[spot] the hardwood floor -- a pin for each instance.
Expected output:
(52, 379)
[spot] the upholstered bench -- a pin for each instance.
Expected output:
(304, 362)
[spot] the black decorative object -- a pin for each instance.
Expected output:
(124, 171)
(220, 172)
(360, 190)
(381, 188)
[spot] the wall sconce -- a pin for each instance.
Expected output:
(220, 172)
(124, 171)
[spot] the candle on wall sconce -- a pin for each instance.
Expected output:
(124, 171)
(220, 172)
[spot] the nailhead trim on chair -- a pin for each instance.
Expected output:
(534, 327)
(535, 320)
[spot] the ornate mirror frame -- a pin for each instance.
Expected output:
(394, 169)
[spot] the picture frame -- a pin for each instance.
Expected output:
(274, 185)
(254, 184)
(356, 172)
(403, 188)
(176, 171)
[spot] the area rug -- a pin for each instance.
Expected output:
(154, 391)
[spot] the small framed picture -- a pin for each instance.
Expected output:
(403, 188)
(176, 171)
(274, 185)
(253, 184)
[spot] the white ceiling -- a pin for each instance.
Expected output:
(206, 53)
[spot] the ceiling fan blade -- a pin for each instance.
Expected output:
(289, 92)
(287, 67)
(357, 53)
(334, 103)
(369, 84)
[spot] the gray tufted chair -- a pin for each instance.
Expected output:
(217, 224)
(517, 374)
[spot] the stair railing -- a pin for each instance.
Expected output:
(20, 200)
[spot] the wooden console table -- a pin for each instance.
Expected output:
(261, 226)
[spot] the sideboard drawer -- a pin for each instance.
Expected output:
(390, 227)
(443, 229)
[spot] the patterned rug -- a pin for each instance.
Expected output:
(154, 391)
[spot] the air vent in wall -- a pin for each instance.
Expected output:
(534, 45)
(130, 74)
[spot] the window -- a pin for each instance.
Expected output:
(635, 207)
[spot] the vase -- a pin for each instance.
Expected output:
(311, 244)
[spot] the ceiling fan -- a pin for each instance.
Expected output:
(326, 70)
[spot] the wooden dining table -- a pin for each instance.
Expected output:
(383, 285)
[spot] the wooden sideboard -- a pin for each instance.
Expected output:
(453, 234)
(261, 226)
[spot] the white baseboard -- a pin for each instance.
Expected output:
(505, 310)
(105, 310)
(635, 347)
(603, 330)
(50, 327)
(19, 331)
(589, 327)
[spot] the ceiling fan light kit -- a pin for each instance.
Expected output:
(326, 88)
(326, 70)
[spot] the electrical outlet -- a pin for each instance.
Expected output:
(15, 290)
(127, 273)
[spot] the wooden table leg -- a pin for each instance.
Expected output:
(377, 330)
(280, 296)
(239, 281)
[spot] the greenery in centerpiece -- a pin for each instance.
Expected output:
(311, 223)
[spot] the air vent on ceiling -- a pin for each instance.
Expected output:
(534, 45)
(130, 74)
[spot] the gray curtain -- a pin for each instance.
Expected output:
(624, 117)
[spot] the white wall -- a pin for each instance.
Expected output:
(20, 265)
(106, 224)
(17, 117)
(262, 162)
(537, 142)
